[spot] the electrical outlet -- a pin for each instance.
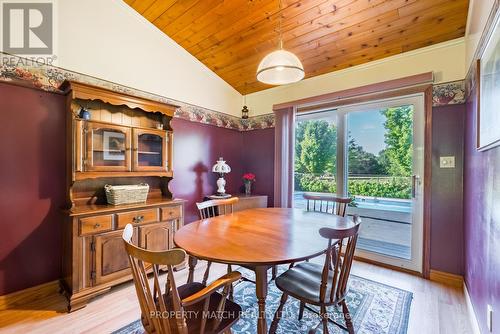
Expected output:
(490, 318)
(447, 162)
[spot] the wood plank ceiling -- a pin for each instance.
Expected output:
(232, 36)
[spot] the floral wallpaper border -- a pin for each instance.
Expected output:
(25, 72)
(448, 93)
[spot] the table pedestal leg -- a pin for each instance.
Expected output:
(261, 289)
(192, 264)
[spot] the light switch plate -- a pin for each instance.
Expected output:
(447, 162)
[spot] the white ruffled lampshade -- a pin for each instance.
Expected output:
(280, 67)
(221, 167)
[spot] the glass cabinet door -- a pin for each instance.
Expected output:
(150, 150)
(108, 147)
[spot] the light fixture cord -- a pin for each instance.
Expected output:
(280, 45)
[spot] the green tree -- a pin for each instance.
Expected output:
(399, 139)
(362, 162)
(316, 147)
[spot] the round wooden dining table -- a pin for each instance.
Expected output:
(258, 239)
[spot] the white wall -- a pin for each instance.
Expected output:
(446, 60)
(109, 40)
(479, 11)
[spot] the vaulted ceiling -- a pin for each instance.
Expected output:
(232, 36)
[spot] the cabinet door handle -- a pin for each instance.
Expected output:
(138, 219)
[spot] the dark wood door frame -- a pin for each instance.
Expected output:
(420, 83)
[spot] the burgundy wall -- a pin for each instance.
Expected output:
(481, 222)
(258, 157)
(196, 148)
(32, 186)
(446, 189)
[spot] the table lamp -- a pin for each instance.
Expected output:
(222, 168)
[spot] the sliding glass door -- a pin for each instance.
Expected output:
(373, 153)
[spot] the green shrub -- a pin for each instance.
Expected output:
(395, 187)
(313, 183)
(389, 188)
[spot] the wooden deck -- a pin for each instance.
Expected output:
(381, 231)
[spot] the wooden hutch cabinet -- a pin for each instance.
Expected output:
(127, 140)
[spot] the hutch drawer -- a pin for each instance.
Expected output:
(96, 224)
(136, 217)
(171, 212)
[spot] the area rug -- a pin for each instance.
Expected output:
(376, 308)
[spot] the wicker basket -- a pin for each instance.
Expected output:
(116, 195)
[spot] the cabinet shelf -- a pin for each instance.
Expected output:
(96, 175)
(147, 152)
(110, 151)
(122, 151)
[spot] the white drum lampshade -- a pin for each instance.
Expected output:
(280, 67)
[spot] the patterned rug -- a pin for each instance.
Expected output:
(376, 308)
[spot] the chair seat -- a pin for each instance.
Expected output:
(194, 313)
(303, 282)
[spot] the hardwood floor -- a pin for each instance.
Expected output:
(436, 308)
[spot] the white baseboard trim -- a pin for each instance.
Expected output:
(470, 311)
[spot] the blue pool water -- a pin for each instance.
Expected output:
(383, 204)
(369, 203)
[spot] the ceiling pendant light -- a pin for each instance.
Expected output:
(280, 67)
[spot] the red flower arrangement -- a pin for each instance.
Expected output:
(249, 177)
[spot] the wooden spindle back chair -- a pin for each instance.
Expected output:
(346, 247)
(322, 285)
(327, 203)
(167, 312)
(216, 207)
(212, 208)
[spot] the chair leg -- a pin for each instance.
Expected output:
(324, 319)
(231, 289)
(347, 317)
(277, 315)
(301, 310)
(275, 272)
(207, 272)
(192, 265)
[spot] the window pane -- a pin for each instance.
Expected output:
(315, 155)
